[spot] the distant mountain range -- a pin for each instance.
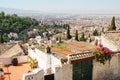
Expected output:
(13, 10)
(19, 11)
(30, 13)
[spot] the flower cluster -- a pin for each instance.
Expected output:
(103, 54)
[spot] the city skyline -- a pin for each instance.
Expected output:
(64, 6)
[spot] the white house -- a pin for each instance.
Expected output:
(77, 63)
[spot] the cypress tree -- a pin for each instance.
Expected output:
(1, 38)
(95, 33)
(112, 26)
(82, 38)
(76, 35)
(68, 33)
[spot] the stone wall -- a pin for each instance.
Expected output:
(7, 61)
(108, 71)
(64, 72)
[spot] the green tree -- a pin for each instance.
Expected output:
(112, 26)
(20, 25)
(76, 36)
(5, 37)
(82, 38)
(68, 33)
(2, 15)
(95, 33)
(1, 37)
(25, 37)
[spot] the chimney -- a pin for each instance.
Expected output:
(48, 50)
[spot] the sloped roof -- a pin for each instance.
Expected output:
(113, 36)
(75, 47)
(14, 51)
(66, 52)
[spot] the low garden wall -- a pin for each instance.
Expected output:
(109, 70)
(7, 61)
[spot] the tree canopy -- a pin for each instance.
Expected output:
(95, 33)
(82, 38)
(68, 33)
(21, 25)
(76, 35)
(112, 26)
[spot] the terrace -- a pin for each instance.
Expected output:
(16, 72)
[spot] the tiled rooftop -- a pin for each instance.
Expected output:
(16, 72)
(66, 52)
(75, 47)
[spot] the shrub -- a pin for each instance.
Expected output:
(103, 54)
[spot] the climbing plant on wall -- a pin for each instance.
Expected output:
(103, 54)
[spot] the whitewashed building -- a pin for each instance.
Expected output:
(78, 62)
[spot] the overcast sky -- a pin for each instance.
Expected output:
(72, 6)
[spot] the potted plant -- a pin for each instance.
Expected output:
(33, 62)
(14, 62)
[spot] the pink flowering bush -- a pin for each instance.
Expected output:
(102, 54)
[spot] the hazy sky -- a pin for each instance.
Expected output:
(73, 6)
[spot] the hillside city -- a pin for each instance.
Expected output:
(59, 47)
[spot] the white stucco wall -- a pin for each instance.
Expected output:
(40, 56)
(55, 62)
(7, 61)
(106, 43)
(45, 61)
(36, 74)
(108, 71)
(22, 59)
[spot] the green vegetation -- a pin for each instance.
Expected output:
(61, 46)
(1, 37)
(68, 33)
(82, 38)
(16, 24)
(95, 33)
(41, 48)
(76, 36)
(21, 25)
(112, 26)
(33, 62)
